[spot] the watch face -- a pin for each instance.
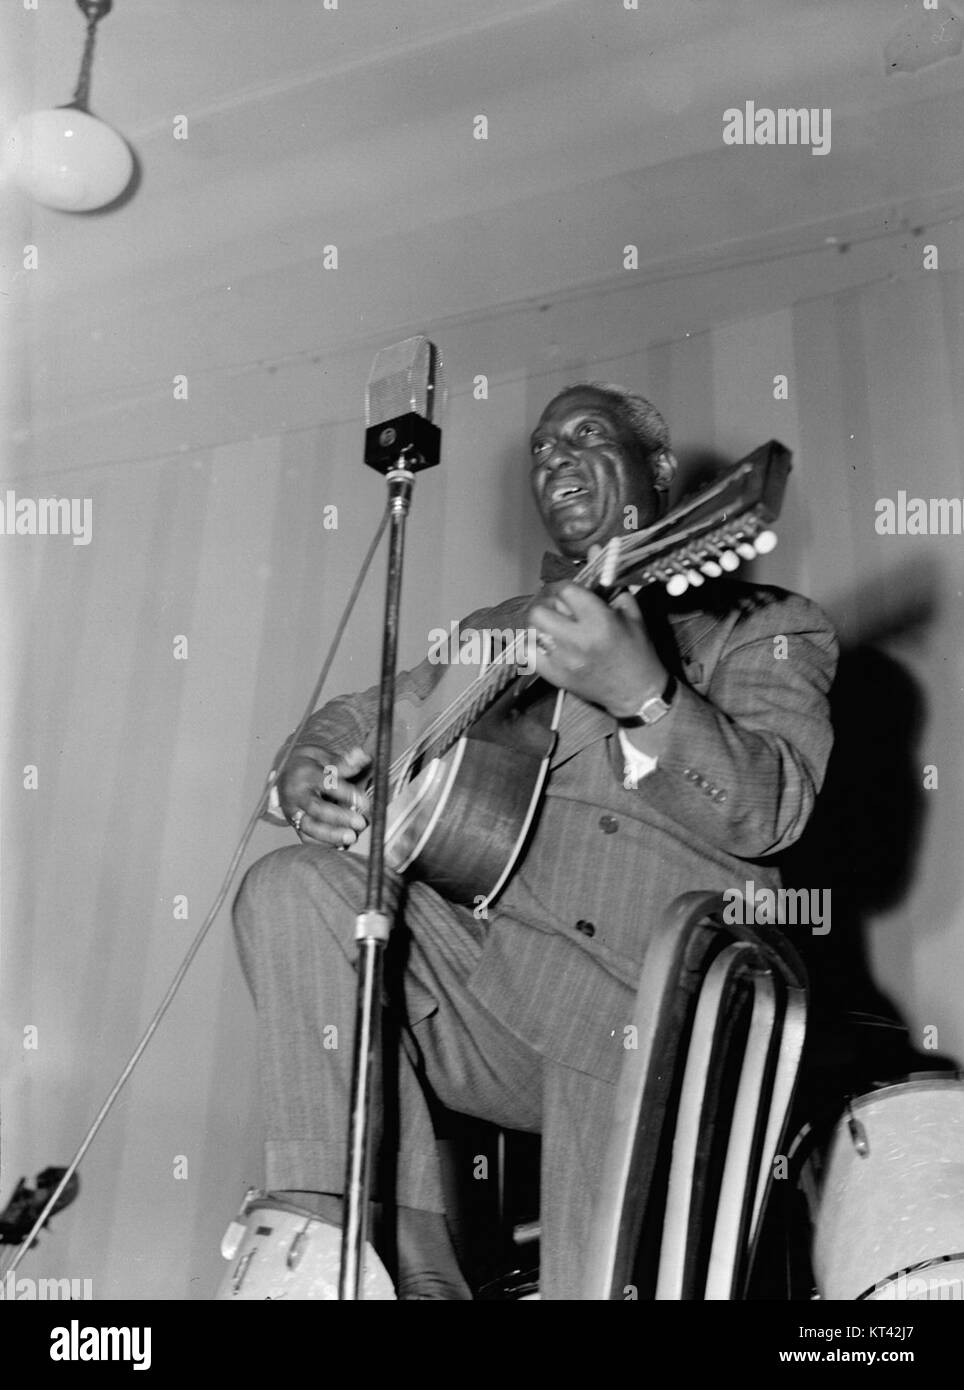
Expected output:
(653, 709)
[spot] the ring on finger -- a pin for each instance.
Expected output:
(544, 642)
(296, 820)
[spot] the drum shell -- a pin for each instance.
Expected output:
(897, 1210)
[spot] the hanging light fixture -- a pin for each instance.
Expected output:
(66, 158)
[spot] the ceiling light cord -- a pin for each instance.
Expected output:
(94, 10)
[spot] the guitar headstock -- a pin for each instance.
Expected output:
(712, 531)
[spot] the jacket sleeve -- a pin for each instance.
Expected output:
(741, 764)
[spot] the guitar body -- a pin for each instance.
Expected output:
(460, 822)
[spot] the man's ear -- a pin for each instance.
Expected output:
(663, 466)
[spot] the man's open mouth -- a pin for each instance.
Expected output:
(565, 494)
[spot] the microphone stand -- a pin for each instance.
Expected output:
(374, 923)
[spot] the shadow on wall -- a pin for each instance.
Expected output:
(697, 469)
(862, 843)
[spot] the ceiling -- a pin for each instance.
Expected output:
(309, 127)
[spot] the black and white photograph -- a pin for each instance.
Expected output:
(482, 705)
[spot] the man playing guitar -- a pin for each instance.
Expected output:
(693, 738)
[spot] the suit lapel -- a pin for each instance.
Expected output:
(580, 725)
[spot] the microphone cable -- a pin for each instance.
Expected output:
(209, 920)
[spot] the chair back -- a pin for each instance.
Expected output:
(702, 1106)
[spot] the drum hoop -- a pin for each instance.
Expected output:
(822, 1129)
(939, 1081)
(909, 1269)
(261, 1202)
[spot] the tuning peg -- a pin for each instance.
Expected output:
(711, 569)
(745, 551)
(694, 578)
(764, 542)
(729, 561)
(677, 585)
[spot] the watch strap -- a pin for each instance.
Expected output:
(653, 709)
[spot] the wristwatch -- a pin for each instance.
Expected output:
(651, 710)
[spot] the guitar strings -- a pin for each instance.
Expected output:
(500, 670)
(459, 712)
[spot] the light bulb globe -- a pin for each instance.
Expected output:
(67, 159)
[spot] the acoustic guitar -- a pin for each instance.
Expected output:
(465, 790)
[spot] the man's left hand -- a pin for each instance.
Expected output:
(602, 654)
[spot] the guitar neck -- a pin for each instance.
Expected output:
(482, 693)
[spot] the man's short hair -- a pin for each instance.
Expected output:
(638, 414)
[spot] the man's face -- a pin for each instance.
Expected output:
(587, 466)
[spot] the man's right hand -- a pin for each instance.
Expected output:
(324, 787)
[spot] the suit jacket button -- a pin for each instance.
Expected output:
(608, 825)
(586, 928)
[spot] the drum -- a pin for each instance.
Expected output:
(277, 1250)
(890, 1218)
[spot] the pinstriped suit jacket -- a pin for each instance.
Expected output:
(741, 760)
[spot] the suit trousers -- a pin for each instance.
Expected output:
(294, 919)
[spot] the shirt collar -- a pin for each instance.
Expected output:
(556, 567)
